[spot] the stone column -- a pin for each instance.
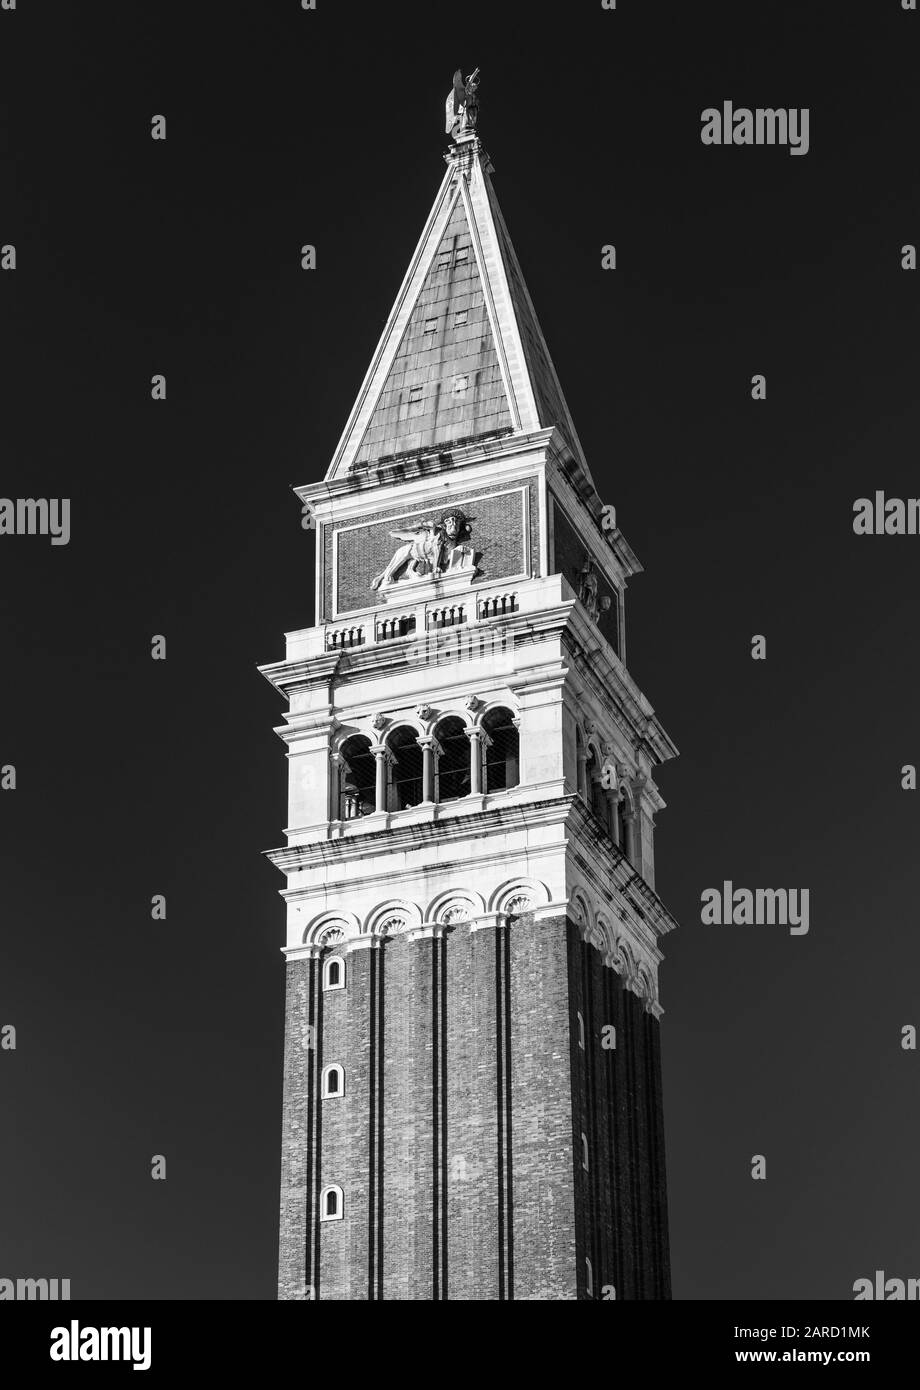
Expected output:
(628, 820)
(384, 759)
(517, 721)
(475, 737)
(430, 750)
(613, 811)
(338, 767)
(594, 781)
(644, 828)
(583, 775)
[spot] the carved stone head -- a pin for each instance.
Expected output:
(456, 526)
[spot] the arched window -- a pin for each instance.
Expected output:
(584, 1152)
(331, 1204)
(502, 752)
(406, 772)
(333, 1081)
(357, 778)
(453, 774)
(581, 1031)
(589, 1279)
(334, 973)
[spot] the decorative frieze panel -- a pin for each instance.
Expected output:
(391, 919)
(622, 949)
(621, 946)
(398, 547)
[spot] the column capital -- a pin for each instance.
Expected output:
(478, 733)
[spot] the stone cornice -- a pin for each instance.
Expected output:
(417, 832)
(289, 676)
(294, 953)
(600, 860)
(420, 464)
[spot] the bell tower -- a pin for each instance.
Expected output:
(472, 1095)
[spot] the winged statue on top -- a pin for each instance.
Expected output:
(463, 105)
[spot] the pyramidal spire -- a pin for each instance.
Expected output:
(462, 356)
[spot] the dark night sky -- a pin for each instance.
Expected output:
(138, 777)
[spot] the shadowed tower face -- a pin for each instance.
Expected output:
(472, 1100)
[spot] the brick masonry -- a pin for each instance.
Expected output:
(617, 1107)
(545, 1205)
(458, 1140)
